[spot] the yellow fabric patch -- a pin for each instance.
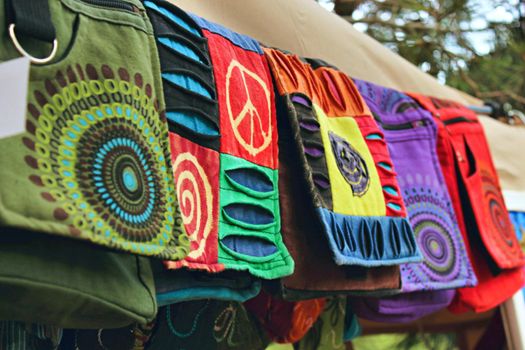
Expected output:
(370, 202)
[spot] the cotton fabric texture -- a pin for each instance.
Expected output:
(411, 137)
(484, 221)
(206, 324)
(94, 166)
(94, 162)
(341, 147)
(221, 115)
(285, 321)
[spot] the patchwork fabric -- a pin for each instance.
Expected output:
(221, 114)
(178, 285)
(316, 274)
(94, 162)
(484, 222)
(285, 321)
(206, 324)
(328, 332)
(341, 147)
(411, 136)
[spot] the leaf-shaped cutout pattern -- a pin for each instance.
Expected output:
(321, 181)
(395, 241)
(377, 234)
(409, 237)
(374, 136)
(366, 242)
(394, 206)
(385, 166)
(471, 159)
(405, 106)
(249, 215)
(350, 240)
(310, 125)
(181, 48)
(181, 22)
(313, 149)
(391, 190)
(303, 100)
(188, 82)
(252, 179)
(249, 245)
(195, 122)
(339, 234)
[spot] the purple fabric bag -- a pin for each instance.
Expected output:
(427, 286)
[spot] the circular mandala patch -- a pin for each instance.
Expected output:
(98, 149)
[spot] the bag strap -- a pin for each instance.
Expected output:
(31, 18)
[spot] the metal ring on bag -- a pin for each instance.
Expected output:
(20, 49)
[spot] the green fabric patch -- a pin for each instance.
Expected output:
(249, 220)
(94, 163)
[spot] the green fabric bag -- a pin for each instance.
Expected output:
(66, 283)
(94, 163)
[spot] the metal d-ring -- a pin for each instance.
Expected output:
(33, 59)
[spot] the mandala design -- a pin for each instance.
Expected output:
(196, 201)
(351, 165)
(433, 228)
(99, 153)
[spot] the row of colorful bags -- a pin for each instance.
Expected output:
(169, 161)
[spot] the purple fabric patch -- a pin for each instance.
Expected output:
(301, 100)
(410, 133)
(399, 308)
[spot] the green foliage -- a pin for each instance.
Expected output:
(436, 35)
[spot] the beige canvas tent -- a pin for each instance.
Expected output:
(305, 28)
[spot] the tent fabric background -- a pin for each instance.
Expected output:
(331, 39)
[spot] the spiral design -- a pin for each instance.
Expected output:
(497, 213)
(437, 237)
(437, 246)
(196, 201)
(99, 153)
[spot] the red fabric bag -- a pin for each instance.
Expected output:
(285, 321)
(484, 221)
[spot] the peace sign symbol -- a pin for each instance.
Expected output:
(259, 122)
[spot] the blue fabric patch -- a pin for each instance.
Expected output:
(177, 20)
(250, 214)
(394, 206)
(194, 122)
(180, 48)
(518, 220)
(249, 245)
(240, 40)
(369, 240)
(187, 82)
(373, 137)
(390, 190)
(385, 166)
(251, 178)
(219, 293)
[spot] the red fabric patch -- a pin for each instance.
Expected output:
(463, 151)
(285, 321)
(378, 148)
(196, 173)
(246, 102)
